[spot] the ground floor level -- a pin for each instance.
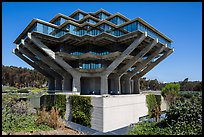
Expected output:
(96, 85)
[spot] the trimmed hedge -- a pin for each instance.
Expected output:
(81, 109)
(60, 104)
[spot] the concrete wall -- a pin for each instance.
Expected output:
(117, 111)
(35, 101)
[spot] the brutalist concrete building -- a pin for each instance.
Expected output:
(92, 53)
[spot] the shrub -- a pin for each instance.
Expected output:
(185, 117)
(22, 107)
(57, 101)
(153, 104)
(81, 109)
(170, 92)
(50, 118)
(149, 128)
(60, 104)
(17, 116)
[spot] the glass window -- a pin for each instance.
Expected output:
(45, 29)
(102, 16)
(117, 20)
(78, 16)
(91, 21)
(57, 22)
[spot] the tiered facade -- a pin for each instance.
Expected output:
(92, 53)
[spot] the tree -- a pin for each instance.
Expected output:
(170, 92)
(17, 76)
(154, 84)
(198, 87)
(143, 84)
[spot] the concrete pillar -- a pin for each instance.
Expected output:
(117, 88)
(124, 54)
(132, 82)
(66, 84)
(153, 64)
(52, 55)
(127, 86)
(104, 85)
(76, 84)
(51, 84)
(136, 58)
(136, 86)
(111, 84)
(58, 83)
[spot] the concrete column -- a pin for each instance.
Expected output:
(104, 85)
(136, 86)
(117, 88)
(33, 64)
(66, 84)
(153, 64)
(76, 84)
(144, 63)
(38, 62)
(52, 55)
(51, 84)
(125, 53)
(58, 83)
(111, 84)
(132, 82)
(136, 58)
(127, 86)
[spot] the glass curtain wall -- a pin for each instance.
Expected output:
(117, 20)
(48, 30)
(78, 16)
(102, 16)
(59, 21)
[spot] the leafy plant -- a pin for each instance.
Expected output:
(149, 128)
(185, 117)
(60, 104)
(57, 101)
(18, 116)
(153, 104)
(50, 118)
(170, 92)
(81, 109)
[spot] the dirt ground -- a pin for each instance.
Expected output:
(64, 131)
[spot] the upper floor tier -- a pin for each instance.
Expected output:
(81, 23)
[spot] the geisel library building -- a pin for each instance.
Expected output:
(94, 53)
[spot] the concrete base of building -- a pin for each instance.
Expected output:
(111, 112)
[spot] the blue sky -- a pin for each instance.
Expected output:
(180, 21)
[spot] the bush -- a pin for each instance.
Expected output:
(57, 101)
(19, 116)
(154, 106)
(81, 109)
(60, 104)
(149, 128)
(170, 92)
(50, 118)
(185, 117)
